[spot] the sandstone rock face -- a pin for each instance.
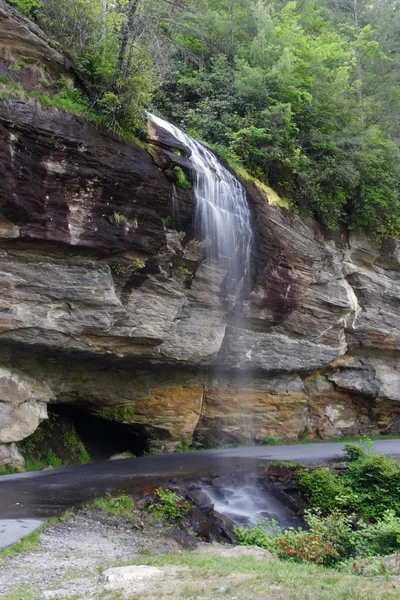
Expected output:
(22, 405)
(107, 301)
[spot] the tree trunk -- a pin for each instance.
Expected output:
(125, 34)
(359, 71)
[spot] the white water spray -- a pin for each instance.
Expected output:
(222, 213)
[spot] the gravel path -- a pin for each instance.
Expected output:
(73, 552)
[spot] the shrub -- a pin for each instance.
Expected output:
(329, 539)
(169, 506)
(354, 451)
(325, 490)
(380, 538)
(264, 535)
(375, 479)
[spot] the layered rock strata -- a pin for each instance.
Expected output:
(106, 299)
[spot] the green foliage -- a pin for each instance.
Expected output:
(122, 413)
(282, 98)
(118, 269)
(55, 443)
(264, 535)
(169, 506)
(303, 96)
(138, 263)
(27, 7)
(184, 446)
(325, 490)
(354, 451)
(54, 461)
(328, 539)
(371, 485)
(29, 543)
(165, 221)
(375, 479)
(18, 65)
(181, 179)
(8, 470)
(270, 441)
(73, 441)
(120, 506)
(303, 434)
(188, 272)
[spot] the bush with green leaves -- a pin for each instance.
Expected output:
(371, 484)
(325, 490)
(27, 7)
(375, 480)
(328, 539)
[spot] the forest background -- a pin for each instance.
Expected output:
(303, 95)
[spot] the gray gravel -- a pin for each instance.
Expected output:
(72, 554)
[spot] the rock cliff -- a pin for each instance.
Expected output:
(106, 300)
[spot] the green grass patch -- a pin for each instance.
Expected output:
(120, 506)
(23, 592)
(279, 580)
(8, 470)
(30, 543)
(353, 438)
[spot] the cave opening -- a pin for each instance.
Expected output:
(102, 438)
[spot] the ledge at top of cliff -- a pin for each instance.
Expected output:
(66, 181)
(22, 38)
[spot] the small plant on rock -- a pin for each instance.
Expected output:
(169, 506)
(138, 263)
(188, 272)
(165, 221)
(181, 179)
(118, 269)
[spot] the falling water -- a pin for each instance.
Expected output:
(222, 214)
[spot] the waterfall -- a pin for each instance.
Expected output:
(222, 213)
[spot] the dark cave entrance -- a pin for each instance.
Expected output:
(101, 437)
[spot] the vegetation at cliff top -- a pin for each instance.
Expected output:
(303, 94)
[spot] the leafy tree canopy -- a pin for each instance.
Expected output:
(304, 95)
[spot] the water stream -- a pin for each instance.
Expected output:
(222, 213)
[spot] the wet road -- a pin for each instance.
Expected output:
(48, 493)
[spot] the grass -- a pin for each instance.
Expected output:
(250, 578)
(23, 592)
(120, 506)
(8, 470)
(352, 438)
(31, 542)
